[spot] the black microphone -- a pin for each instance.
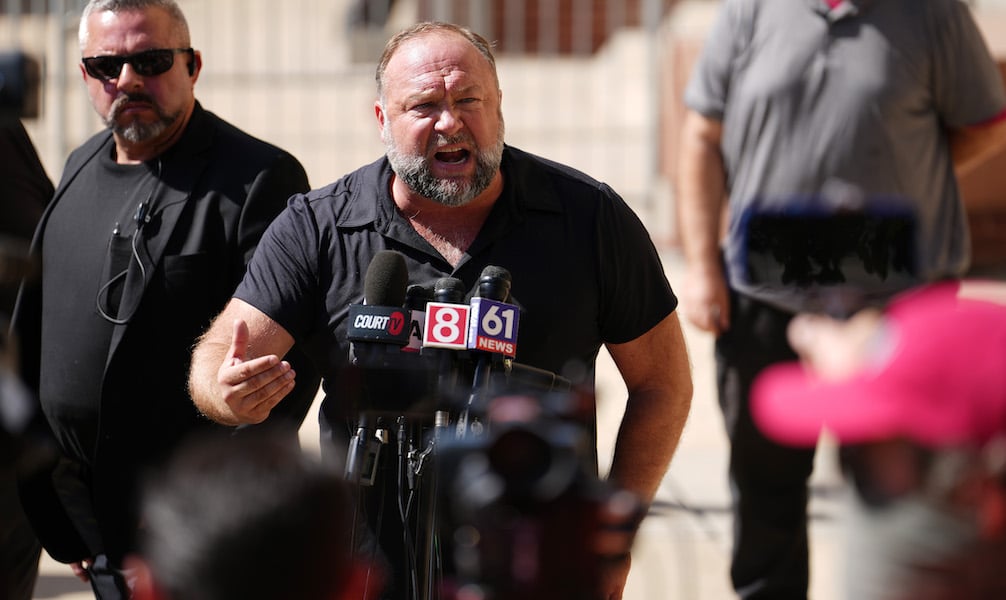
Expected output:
(380, 325)
(492, 326)
(533, 378)
(492, 335)
(446, 333)
(449, 290)
(494, 283)
(416, 298)
(376, 329)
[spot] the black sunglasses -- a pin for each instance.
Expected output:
(148, 63)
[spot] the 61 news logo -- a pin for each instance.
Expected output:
(486, 325)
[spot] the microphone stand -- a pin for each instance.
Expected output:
(432, 560)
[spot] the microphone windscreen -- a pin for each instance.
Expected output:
(494, 283)
(449, 289)
(416, 296)
(494, 271)
(386, 278)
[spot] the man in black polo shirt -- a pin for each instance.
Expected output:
(452, 199)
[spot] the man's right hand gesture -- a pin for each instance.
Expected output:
(251, 388)
(237, 373)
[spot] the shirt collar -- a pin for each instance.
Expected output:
(381, 208)
(844, 9)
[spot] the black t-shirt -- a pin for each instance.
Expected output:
(106, 196)
(584, 269)
(584, 272)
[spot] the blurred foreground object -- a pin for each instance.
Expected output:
(20, 78)
(917, 397)
(223, 506)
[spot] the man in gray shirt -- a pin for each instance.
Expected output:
(790, 100)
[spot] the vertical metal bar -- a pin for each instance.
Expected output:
(549, 27)
(65, 23)
(513, 16)
(581, 26)
(13, 16)
(478, 18)
(615, 16)
(442, 11)
(650, 23)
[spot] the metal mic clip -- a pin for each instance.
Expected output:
(364, 454)
(142, 217)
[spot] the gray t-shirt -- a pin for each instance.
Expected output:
(860, 97)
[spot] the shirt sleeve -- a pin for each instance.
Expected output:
(967, 84)
(709, 84)
(636, 293)
(282, 279)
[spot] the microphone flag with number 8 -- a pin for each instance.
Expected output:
(446, 326)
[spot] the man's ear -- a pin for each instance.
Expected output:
(196, 65)
(379, 113)
(145, 587)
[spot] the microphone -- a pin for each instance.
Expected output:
(492, 335)
(375, 329)
(493, 323)
(416, 298)
(379, 325)
(445, 332)
(446, 317)
(537, 379)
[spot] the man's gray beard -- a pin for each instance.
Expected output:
(414, 170)
(140, 132)
(136, 131)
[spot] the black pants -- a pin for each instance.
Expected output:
(768, 481)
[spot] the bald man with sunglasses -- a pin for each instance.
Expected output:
(146, 237)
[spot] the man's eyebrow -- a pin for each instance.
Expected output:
(429, 92)
(472, 88)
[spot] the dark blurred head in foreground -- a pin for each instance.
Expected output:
(247, 518)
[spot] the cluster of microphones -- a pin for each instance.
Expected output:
(398, 322)
(448, 355)
(455, 348)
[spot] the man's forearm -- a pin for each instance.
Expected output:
(647, 439)
(970, 146)
(701, 189)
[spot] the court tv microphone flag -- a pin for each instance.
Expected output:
(381, 323)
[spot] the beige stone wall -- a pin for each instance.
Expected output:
(295, 77)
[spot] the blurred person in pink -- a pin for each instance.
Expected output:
(916, 396)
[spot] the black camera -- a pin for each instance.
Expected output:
(521, 504)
